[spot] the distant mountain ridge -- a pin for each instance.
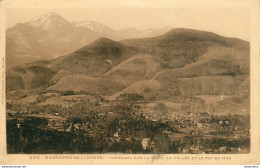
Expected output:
(50, 35)
(130, 33)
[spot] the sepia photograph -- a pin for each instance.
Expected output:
(127, 80)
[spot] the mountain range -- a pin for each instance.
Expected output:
(50, 35)
(181, 66)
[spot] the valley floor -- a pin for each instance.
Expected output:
(69, 122)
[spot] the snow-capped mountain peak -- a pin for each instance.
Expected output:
(50, 21)
(95, 26)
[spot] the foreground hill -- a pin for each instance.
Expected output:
(93, 60)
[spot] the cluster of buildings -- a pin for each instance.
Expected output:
(189, 124)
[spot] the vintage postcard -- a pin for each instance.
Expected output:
(130, 82)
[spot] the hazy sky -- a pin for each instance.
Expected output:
(231, 22)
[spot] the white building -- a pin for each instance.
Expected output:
(146, 143)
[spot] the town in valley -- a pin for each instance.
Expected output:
(83, 87)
